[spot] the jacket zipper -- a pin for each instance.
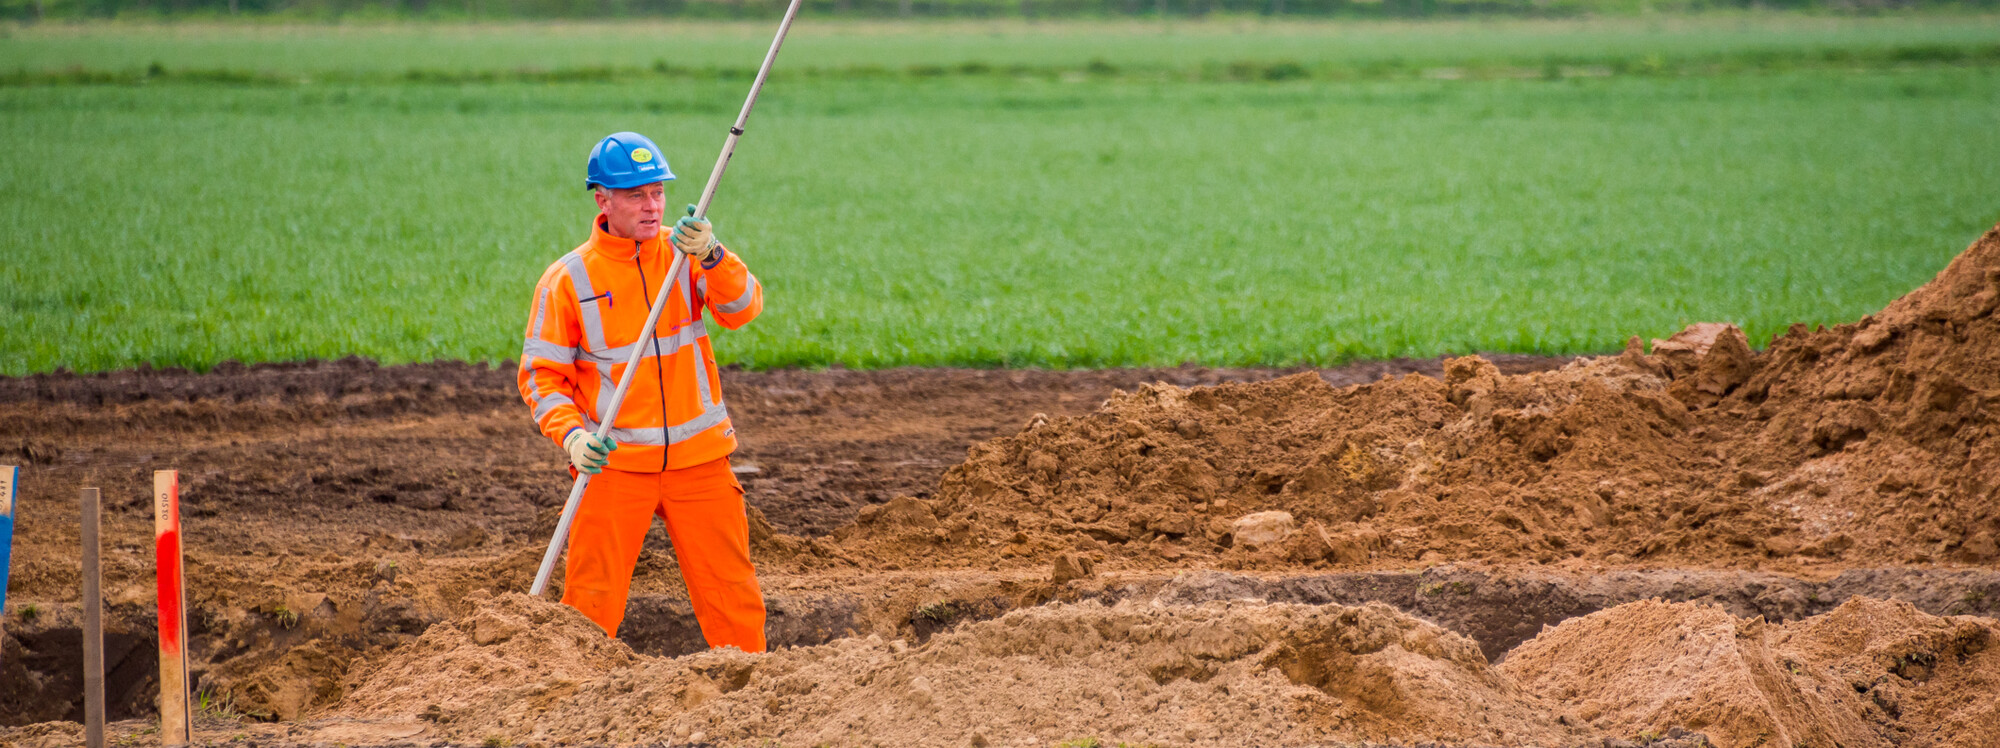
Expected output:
(659, 359)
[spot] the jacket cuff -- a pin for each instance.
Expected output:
(563, 436)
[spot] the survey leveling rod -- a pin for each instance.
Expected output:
(557, 542)
(174, 717)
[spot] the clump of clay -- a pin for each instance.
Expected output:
(1707, 361)
(1070, 567)
(1263, 529)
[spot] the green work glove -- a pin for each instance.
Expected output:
(588, 453)
(693, 237)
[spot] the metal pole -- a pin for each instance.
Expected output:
(561, 536)
(736, 130)
(93, 627)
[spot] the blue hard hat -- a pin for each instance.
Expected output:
(626, 159)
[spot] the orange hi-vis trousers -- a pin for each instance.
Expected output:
(703, 509)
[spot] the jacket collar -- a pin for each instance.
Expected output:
(620, 248)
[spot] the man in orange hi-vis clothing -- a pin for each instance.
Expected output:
(667, 454)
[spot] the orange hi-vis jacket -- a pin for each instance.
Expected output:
(586, 316)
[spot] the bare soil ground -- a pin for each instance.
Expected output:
(333, 506)
(1689, 542)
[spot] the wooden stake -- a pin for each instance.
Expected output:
(93, 627)
(174, 717)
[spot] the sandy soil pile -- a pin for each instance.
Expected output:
(530, 670)
(1868, 442)
(1869, 673)
(511, 647)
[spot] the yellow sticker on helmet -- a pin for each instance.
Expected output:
(641, 155)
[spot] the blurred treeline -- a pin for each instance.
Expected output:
(33, 10)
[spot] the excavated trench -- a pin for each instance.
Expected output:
(41, 667)
(1497, 609)
(665, 626)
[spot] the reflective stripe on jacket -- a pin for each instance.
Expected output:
(582, 323)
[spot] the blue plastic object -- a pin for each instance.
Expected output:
(10, 489)
(625, 160)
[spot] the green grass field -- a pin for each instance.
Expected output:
(323, 52)
(1039, 218)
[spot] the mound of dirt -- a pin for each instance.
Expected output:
(528, 671)
(1870, 442)
(511, 648)
(1937, 678)
(1882, 434)
(1868, 673)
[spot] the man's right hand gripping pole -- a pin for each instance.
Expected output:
(587, 453)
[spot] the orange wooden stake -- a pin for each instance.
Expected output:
(174, 717)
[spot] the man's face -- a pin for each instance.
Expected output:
(633, 213)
